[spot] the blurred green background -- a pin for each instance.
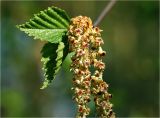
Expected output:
(130, 33)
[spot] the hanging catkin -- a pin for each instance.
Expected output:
(85, 41)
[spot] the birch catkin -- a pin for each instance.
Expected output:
(86, 41)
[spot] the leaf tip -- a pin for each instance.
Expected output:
(45, 84)
(18, 26)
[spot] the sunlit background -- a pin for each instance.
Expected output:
(130, 33)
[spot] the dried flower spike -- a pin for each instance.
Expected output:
(86, 41)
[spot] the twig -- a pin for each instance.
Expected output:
(104, 12)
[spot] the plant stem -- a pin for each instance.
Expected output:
(104, 12)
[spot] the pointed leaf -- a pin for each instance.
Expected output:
(52, 18)
(48, 25)
(52, 58)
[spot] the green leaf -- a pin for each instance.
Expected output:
(52, 18)
(50, 35)
(48, 25)
(52, 58)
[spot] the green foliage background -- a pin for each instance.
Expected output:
(130, 33)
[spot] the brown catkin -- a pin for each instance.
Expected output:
(85, 41)
(99, 88)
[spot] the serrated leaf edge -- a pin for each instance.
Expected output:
(63, 31)
(44, 19)
(58, 60)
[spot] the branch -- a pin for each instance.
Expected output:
(104, 12)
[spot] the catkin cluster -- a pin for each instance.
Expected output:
(85, 41)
